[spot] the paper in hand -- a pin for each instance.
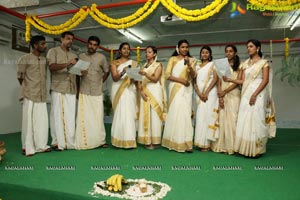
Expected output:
(79, 66)
(133, 73)
(223, 67)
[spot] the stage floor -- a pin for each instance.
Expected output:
(200, 175)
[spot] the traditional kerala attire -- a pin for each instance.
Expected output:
(253, 123)
(124, 103)
(152, 111)
(207, 112)
(32, 69)
(178, 130)
(90, 129)
(63, 94)
(228, 118)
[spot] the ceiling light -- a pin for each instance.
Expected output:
(130, 35)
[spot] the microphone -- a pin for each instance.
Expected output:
(185, 61)
(129, 66)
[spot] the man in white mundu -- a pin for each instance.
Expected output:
(90, 130)
(32, 77)
(63, 93)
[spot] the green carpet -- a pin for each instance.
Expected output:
(207, 183)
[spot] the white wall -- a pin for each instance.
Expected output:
(10, 107)
(286, 97)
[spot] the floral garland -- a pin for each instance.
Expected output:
(194, 15)
(125, 22)
(111, 55)
(271, 50)
(286, 52)
(138, 55)
(277, 5)
(55, 30)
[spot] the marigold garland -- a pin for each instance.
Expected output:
(138, 55)
(277, 5)
(194, 15)
(97, 15)
(286, 52)
(147, 9)
(111, 55)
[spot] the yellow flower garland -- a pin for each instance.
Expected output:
(123, 20)
(286, 52)
(147, 9)
(54, 30)
(98, 16)
(277, 5)
(194, 15)
(111, 55)
(138, 55)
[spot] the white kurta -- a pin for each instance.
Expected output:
(178, 130)
(123, 130)
(207, 112)
(90, 129)
(34, 127)
(251, 131)
(62, 120)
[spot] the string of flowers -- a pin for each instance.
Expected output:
(286, 52)
(194, 15)
(107, 22)
(54, 30)
(271, 50)
(125, 22)
(277, 5)
(138, 55)
(111, 55)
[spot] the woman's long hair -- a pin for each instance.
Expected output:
(120, 48)
(210, 52)
(236, 59)
(180, 42)
(257, 44)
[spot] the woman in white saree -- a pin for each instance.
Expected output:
(229, 101)
(178, 131)
(252, 130)
(207, 101)
(153, 101)
(123, 97)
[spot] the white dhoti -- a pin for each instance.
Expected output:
(90, 130)
(63, 120)
(34, 127)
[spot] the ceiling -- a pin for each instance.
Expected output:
(220, 28)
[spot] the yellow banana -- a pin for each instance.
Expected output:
(110, 188)
(114, 180)
(108, 181)
(119, 182)
(115, 188)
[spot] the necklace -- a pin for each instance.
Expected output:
(252, 62)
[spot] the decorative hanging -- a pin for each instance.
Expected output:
(286, 51)
(138, 55)
(125, 22)
(111, 55)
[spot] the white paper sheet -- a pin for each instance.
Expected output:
(223, 67)
(133, 73)
(79, 66)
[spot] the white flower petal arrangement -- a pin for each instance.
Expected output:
(132, 190)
